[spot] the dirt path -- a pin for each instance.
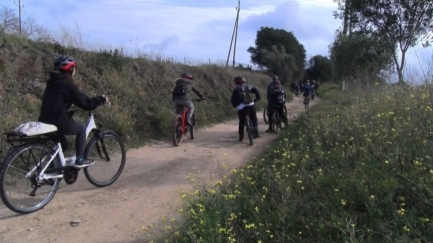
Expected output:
(149, 188)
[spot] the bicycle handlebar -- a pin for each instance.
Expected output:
(198, 100)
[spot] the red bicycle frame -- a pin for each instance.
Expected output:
(183, 114)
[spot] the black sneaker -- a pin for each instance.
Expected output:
(83, 163)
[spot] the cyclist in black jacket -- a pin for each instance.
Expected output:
(242, 108)
(60, 94)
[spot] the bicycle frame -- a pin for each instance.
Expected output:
(64, 161)
(183, 114)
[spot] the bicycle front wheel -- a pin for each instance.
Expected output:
(265, 115)
(19, 189)
(109, 153)
(177, 130)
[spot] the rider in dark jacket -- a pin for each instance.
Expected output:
(242, 108)
(276, 99)
(60, 94)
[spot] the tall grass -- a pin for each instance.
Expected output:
(355, 168)
(139, 88)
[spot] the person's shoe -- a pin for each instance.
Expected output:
(268, 131)
(81, 163)
(241, 138)
(189, 122)
(256, 135)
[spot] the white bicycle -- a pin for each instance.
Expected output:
(35, 164)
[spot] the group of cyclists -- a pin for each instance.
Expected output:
(305, 87)
(61, 93)
(240, 99)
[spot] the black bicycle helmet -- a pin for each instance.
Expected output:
(187, 76)
(64, 63)
(274, 78)
(239, 80)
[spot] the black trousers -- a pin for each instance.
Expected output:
(253, 117)
(73, 128)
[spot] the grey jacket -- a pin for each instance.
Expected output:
(188, 88)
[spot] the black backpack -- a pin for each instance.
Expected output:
(245, 95)
(179, 90)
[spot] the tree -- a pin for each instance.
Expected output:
(10, 25)
(9, 21)
(359, 57)
(401, 23)
(281, 63)
(268, 38)
(320, 68)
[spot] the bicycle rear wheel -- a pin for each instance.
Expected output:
(265, 115)
(23, 194)
(109, 153)
(249, 129)
(177, 130)
(192, 127)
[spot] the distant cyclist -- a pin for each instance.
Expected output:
(307, 88)
(60, 94)
(243, 102)
(181, 94)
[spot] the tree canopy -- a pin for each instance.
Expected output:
(359, 55)
(320, 68)
(282, 44)
(400, 23)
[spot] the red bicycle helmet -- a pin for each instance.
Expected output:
(239, 80)
(64, 63)
(187, 76)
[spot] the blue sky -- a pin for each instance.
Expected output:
(192, 29)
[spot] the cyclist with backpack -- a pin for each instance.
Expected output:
(276, 100)
(181, 94)
(307, 88)
(241, 100)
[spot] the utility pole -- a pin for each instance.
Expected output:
(19, 17)
(233, 35)
(236, 35)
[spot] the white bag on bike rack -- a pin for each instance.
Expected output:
(34, 128)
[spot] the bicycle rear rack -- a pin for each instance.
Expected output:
(15, 139)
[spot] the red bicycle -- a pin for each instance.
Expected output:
(181, 126)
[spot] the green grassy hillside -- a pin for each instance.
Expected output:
(139, 89)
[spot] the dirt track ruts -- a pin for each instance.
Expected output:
(147, 190)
